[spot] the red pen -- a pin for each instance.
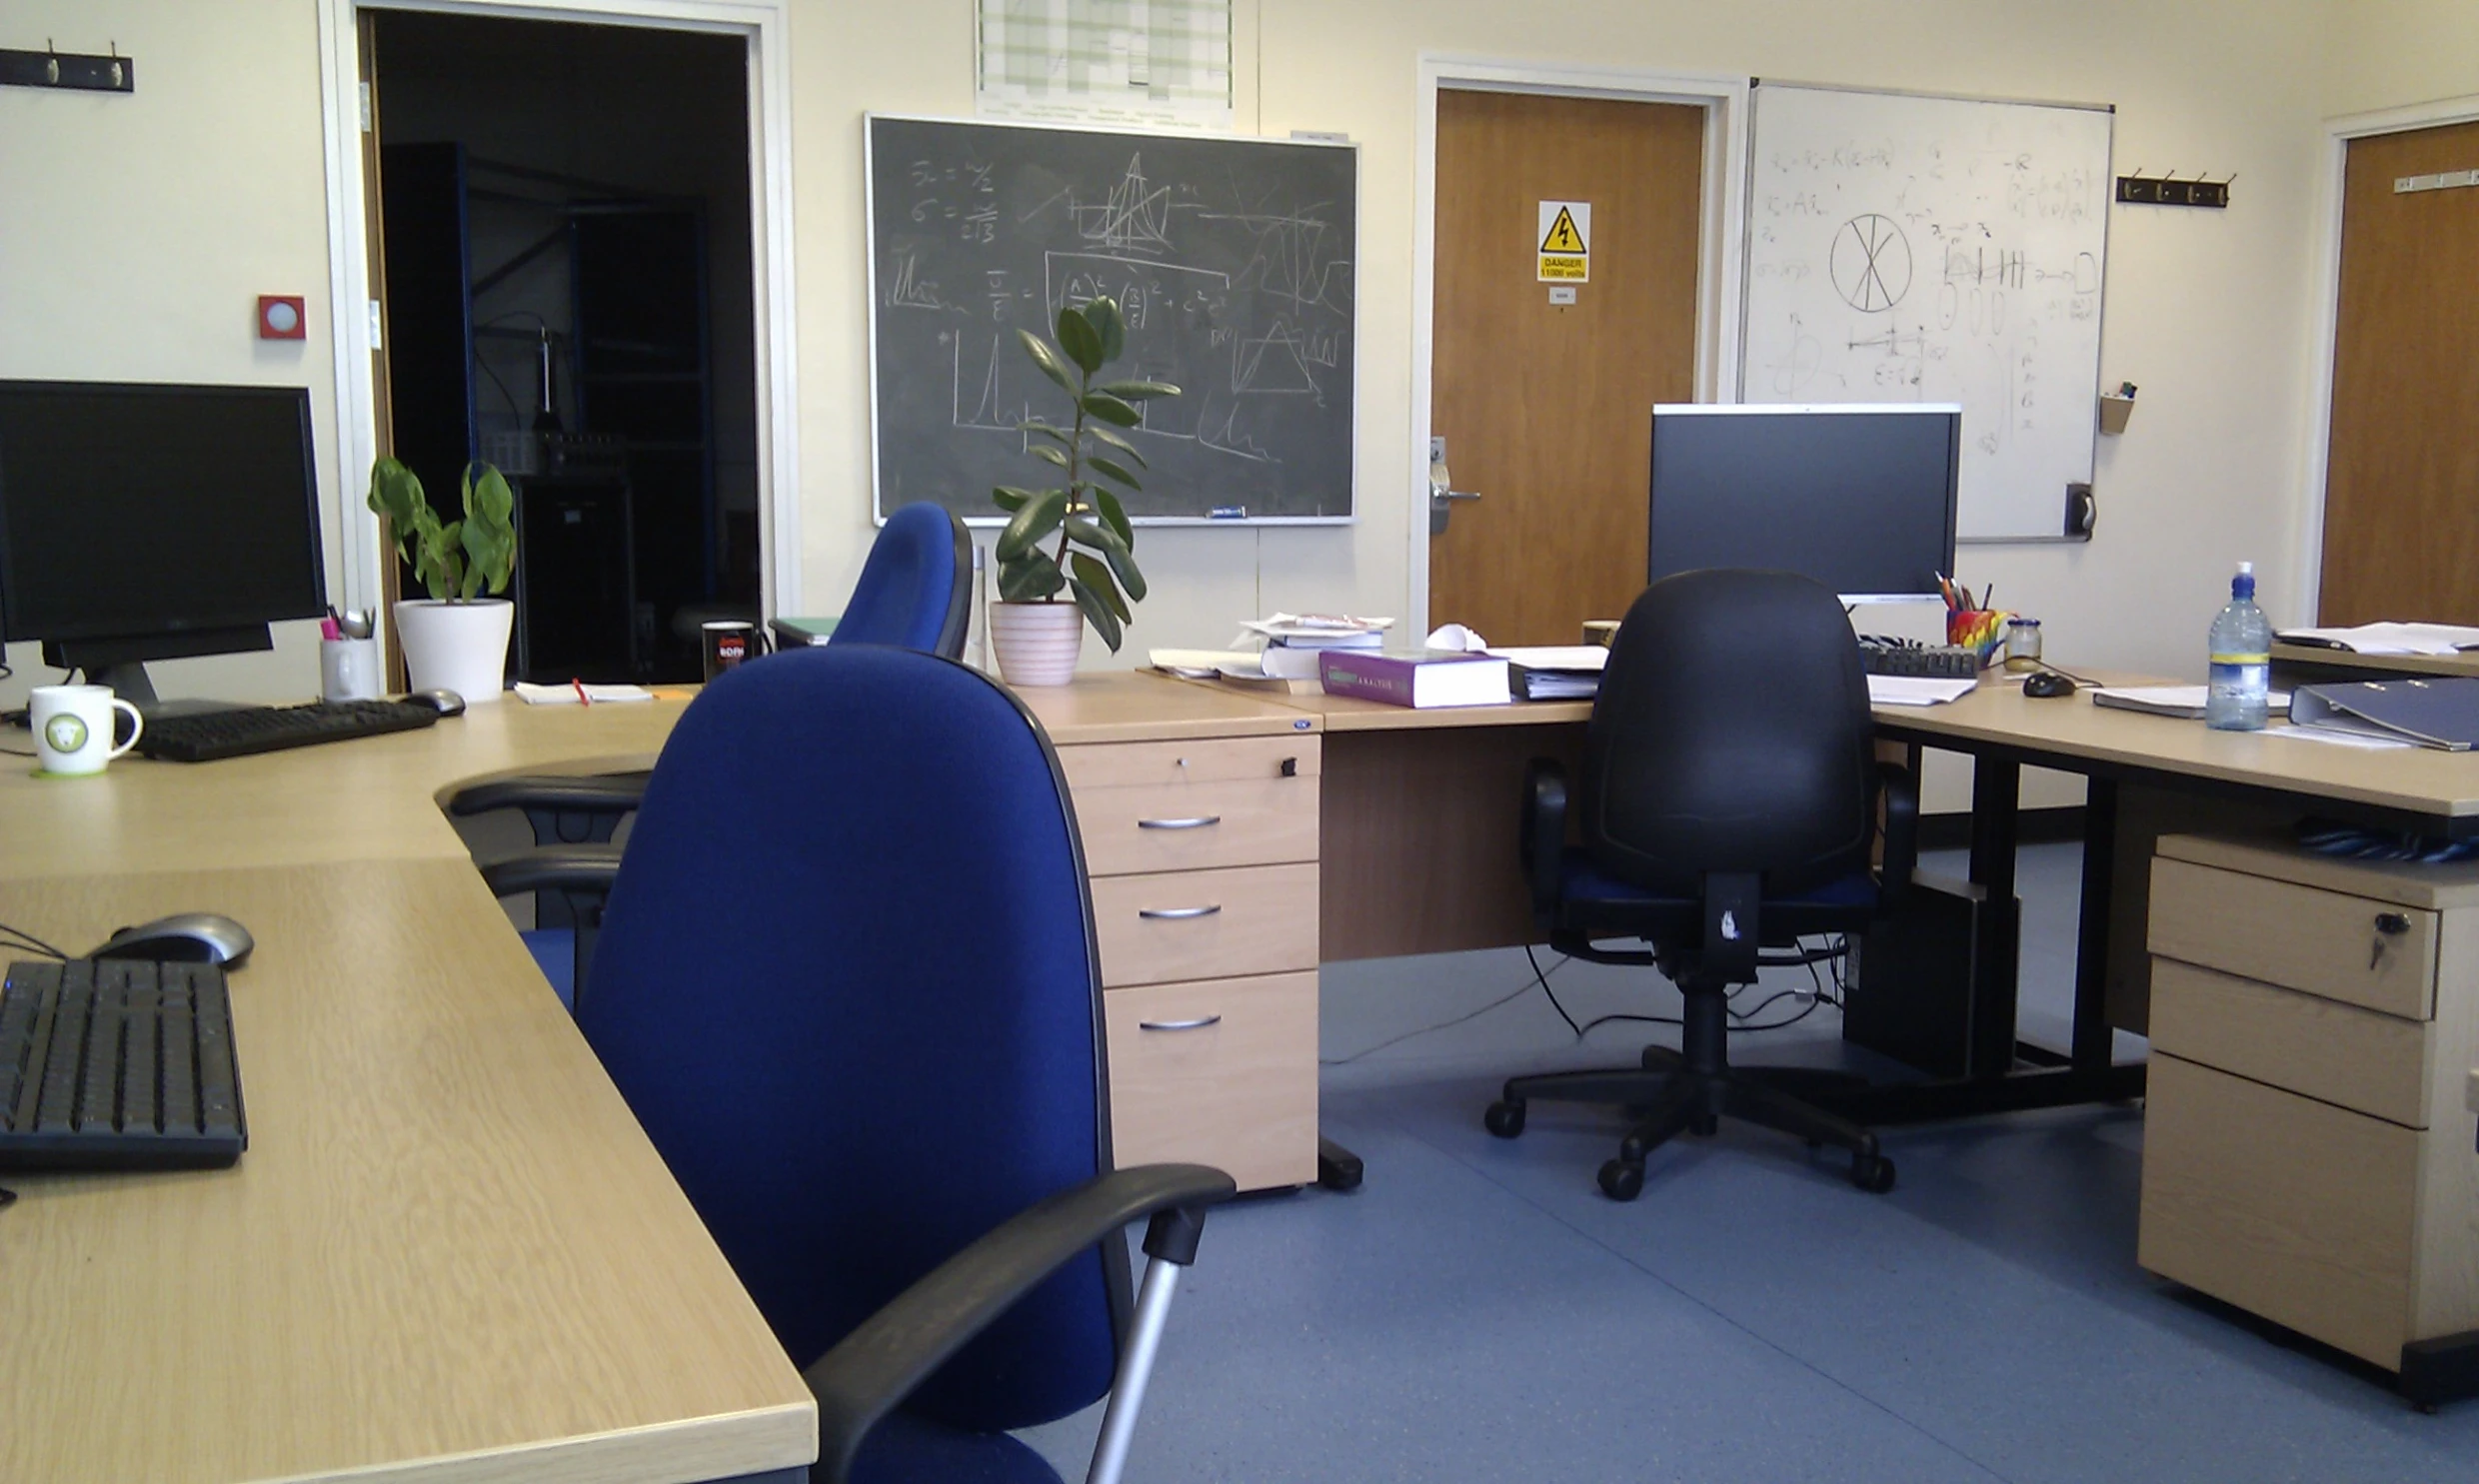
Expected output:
(582, 698)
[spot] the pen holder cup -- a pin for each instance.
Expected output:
(1981, 631)
(349, 668)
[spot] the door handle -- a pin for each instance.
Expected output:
(1198, 822)
(1160, 915)
(1199, 1023)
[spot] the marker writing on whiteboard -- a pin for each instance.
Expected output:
(1228, 513)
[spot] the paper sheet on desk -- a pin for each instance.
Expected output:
(2389, 639)
(1914, 690)
(2337, 738)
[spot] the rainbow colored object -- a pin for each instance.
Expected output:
(1978, 629)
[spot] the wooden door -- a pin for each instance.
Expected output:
(1548, 410)
(2401, 492)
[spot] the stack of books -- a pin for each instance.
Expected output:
(1295, 642)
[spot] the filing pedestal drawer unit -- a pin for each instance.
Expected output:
(1203, 859)
(2307, 1153)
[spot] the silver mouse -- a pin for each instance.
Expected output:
(183, 937)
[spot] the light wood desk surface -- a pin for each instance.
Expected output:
(2065, 730)
(449, 1253)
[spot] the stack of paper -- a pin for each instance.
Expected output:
(2388, 638)
(1554, 672)
(575, 692)
(1294, 641)
(1915, 689)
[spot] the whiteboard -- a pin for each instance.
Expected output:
(1903, 248)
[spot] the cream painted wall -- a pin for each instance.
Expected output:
(139, 230)
(159, 214)
(2389, 53)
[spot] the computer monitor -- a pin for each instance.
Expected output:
(146, 523)
(1860, 497)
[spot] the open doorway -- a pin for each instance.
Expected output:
(569, 294)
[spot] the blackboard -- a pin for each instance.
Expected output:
(1232, 258)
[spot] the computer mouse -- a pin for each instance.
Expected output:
(2048, 683)
(183, 937)
(445, 702)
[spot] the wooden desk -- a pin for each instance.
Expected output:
(449, 1254)
(2293, 664)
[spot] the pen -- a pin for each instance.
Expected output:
(582, 698)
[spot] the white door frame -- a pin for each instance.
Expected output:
(2338, 132)
(1719, 257)
(764, 23)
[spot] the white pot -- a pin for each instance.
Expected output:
(460, 647)
(1037, 642)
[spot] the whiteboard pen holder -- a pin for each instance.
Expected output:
(2114, 411)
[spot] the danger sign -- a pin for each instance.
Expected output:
(1565, 241)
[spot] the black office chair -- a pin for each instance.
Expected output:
(1728, 803)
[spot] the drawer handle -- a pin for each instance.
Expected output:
(1199, 1023)
(1176, 913)
(1198, 822)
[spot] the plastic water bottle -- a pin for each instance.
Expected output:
(2235, 698)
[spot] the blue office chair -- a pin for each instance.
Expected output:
(1728, 803)
(857, 1009)
(914, 591)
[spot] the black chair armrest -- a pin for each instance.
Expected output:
(1545, 836)
(1900, 857)
(595, 801)
(553, 869)
(894, 1350)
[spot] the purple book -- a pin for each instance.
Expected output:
(1420, 680)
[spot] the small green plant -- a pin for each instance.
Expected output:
(461, 559)
(1084, 511)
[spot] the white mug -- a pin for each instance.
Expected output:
(73, 727)
(349, 668)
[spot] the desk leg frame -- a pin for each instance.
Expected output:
(1996, 1083)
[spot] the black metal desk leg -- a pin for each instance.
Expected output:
(1997, 788)
(2093, 1040)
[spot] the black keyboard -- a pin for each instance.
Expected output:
(211, 735)
(1881, 656)
(114, 1063)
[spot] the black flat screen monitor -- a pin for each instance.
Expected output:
(154, 522)
(1860, 497)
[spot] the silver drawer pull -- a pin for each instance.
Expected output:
(1160, 913)
(1199, 1023)
(1198, 822)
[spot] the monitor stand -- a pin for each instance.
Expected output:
(129, 682)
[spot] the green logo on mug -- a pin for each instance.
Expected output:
(66, 733)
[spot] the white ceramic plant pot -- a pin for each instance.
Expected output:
(460, 647)
(1037, 642)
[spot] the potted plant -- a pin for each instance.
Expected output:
(1036, 634)
(457, 638)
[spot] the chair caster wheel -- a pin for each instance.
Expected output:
(1506, 1120)
(1873, 1174)
(1622, 1179)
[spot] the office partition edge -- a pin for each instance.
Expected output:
(766, 24)
(1720, 253)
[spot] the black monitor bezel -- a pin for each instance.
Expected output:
(1952, 411)
(229, 633)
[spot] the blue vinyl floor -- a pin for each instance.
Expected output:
(1479, 1311)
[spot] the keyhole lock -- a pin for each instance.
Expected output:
(1290, 767)
(2388, 925)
